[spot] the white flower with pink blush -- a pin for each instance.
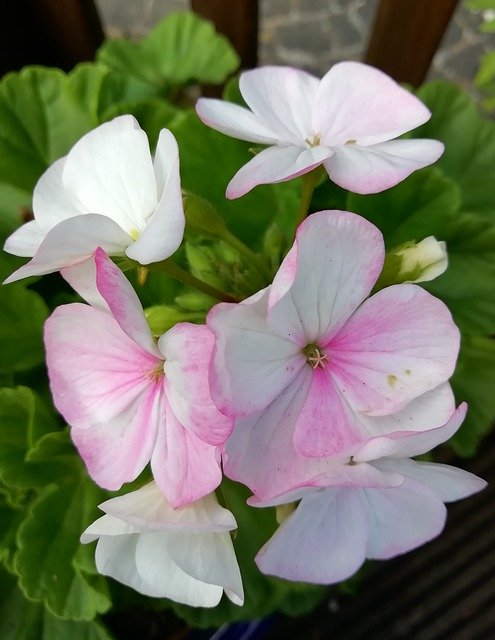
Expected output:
(315, 361)
(107, 192)
(184, 554)
(347, 121)
(129, 400)
(377, 504)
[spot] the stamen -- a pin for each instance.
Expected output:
(156, 373)
(313, 140)
(315, 356)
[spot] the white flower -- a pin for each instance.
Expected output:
(423, 261)
(107, 192)
(184, 554)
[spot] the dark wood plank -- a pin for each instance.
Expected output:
(406, 35)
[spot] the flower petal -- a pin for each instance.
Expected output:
(380, 166)
(187, 349)
(275, 164)
(25, 240)
(358, 102)
(282, 98)
(399, 344)
(107, 525)
(117, 451)
(209, 558)
(72, 241)
(234, 120)
(82, 278)
(184, 467)
(322, 542)
(251, 364)
(163, 578)
(110, 171)
(96, 372)
(339, 258)
(165, 228)
(401, 518)
(449, 483)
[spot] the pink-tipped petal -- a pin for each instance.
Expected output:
(399, 344)
(26, 240)
(117, 451)
(110, 171)
(380, 166)
(96, 371)
(449, 483)
(187, 349)
(184, 467)
(323, 541)
(401, 518)
(275, 164)
(123, 302)
(165, 228)
(360, 103)
(251, 364)
(72, 241)
(82, 278)
(234, 120)
(339, 257)
(282, 98)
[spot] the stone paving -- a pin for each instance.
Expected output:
(313, 34)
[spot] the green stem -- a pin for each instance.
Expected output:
(309, 182)
(180, 274)
(228, 237)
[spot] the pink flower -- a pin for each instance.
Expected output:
(377, 505)
(184, 554)
(128, 399)
(312, 362)
(346, 121)
(107, 192)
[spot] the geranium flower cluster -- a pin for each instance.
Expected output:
(312, 392)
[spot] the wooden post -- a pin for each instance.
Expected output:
(236, 19)
(406, 35)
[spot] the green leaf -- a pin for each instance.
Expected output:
(425, 204)
(469, 141)
(468, 284)
(180, 49)
(10, 519)
(22, 315)
(474, 381)
(14, 203)
(210, 159)
(47, 560)
(21, 619)
(24, 421)
(480, 5)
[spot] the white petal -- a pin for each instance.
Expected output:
(26, 240)
(82, 278)
(106, 526)
(234, 120)
(165, 228)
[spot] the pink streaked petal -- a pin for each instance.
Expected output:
(117, 451)
(326, 425)
(282, 98)
(187, 349)
(275, 164)
(72, 241)
(322, 542)
(339, 258)
(52, 201)
(251, 364)
(358, 102)
(123, 302)
(95, 370)
(448, 482)
(234, 120)
(380, 166)
(401, 518)
(408, 444)
(184, 467)
(26, 240)
(285, 276)
(399, 344)
(165, 228)
(110, 172)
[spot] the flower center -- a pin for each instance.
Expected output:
(155, 373)
(315, 356)
(134, 233)
(313, 140)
